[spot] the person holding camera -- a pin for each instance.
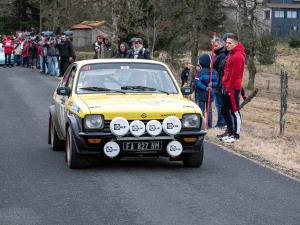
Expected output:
(18, 51)
(66, 53)
(33, 54)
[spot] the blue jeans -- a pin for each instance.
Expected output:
(203, 106)
(41, 62)
(52, 65)
(18, 60)
(221, 120)
(43, 65)
(7, 59)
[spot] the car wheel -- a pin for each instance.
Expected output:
(193, 159)
(56, 143)
(73, 158)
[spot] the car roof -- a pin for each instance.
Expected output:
(96, 61)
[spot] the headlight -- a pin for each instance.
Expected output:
(93, 122)
(191, 121)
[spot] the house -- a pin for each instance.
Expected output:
(237, 18)
(284, 16)
(85, 33)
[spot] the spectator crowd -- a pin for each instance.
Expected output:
(53, 55)
(221, 84)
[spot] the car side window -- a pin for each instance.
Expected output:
(66, 77)
(71, 77)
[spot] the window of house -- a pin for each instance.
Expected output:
(279, 14)
(291, 14)
(267, 14)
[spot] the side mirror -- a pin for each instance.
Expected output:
(66, 91)
(186, 90)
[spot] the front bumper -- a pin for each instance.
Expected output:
(83, 147)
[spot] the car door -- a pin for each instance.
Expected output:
(62, 101)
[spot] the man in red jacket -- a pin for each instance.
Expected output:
(232, 87)
(8, 46)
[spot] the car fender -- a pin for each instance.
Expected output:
(72, 121)
(54, 118)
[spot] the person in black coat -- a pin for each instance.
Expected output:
(66, 53)
(123, 51)
(219, 62)
(185, 74)
(33, 54)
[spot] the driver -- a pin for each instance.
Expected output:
(139, 78)
(94, 81)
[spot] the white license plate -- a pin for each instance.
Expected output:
(145, 145)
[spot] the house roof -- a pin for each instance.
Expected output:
(90, 24)
(283, 6)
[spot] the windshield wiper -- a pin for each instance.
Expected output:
(142, 88)
(95, 89)
(138, 88)
(163, 92)
(100, 89)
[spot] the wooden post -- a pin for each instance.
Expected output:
(268, 88)
(283, 102)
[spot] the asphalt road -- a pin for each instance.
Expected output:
(36, 187)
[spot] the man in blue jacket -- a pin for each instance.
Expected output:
(204, 86)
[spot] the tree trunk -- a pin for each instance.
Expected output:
(195, 38)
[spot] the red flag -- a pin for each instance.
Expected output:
(210, 77)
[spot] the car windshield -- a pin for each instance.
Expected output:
(126, 78)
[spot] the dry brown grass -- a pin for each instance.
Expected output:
(260, 136)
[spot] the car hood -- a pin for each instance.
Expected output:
(148, 106)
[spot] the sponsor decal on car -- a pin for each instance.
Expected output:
(75, 107)
(157, 102)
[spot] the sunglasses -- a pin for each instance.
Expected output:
(137, 42)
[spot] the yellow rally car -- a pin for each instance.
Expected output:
(119, 108)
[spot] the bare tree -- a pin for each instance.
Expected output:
(250, 29)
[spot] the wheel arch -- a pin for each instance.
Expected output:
(53, 117)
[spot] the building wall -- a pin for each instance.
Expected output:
(285, 27)
(84, 39)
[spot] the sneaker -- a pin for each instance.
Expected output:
(4, 66)
(231, 139)
(228, 136)
(222, 135)
(10, 66)
(58, 75)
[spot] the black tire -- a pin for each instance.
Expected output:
(56, 143)
(193, 159)
(73, 158)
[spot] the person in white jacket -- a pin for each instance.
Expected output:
(18, 51)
